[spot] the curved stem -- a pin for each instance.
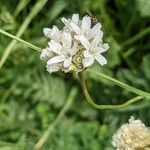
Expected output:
(52, 126)
(90, 100)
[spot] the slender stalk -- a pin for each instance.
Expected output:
(137, 37)
(20, 6)
(4, 143)
(52, 126)
(119, 83)
(36, 8)
(20, 40)
(102, 107)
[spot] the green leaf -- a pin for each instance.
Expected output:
(146, 66)
(143, 6)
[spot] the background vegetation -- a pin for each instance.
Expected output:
(30, 98)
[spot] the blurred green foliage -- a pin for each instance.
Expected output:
(30, 98)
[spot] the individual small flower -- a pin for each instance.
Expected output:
(75, 47)
(75, 19)
(53, 34)
(132, 136)
(91, 38)
(63, 52)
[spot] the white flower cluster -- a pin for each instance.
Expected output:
(75, 47)
(132, 136)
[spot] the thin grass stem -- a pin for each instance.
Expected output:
(119, 83)
(36, 8)
(52, 126)
(136, 37)
(20, 40)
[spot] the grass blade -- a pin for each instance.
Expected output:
(36, 8)
(51, 127)
(119, 83)
(20, 40)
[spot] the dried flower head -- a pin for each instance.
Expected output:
(75, 47)
(132, 136)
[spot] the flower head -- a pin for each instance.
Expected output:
(132, 136)
(75, 47)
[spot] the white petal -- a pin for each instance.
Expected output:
(100, 49)
(100, 59)
(75, 28)
(55, 47)
(74, 49)
(47, 32)
(104, 47)
(88, 61)
(64, 20)
(87, 54)
(55, 34)
(86, 23)
(100, 34)
(96, 31)
(66, 40)
(53, 68)
(67, 24)
(56, 59)
(96, 41)
(95, 49)
(46, 54)
(83, 41)
(67, 62)
(96, 27)
(75, 18)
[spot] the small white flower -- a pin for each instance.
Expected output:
(91, 39)
(132, 136)
(76, 47)
(64, 51)
(53, 34)
(75, 19)
(46, 54)
(53, 67)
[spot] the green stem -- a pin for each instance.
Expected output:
(20, 40)
(119, 83)
(20, 6)
(52, 126)
(4, 143)
(137, 37)
(102, 107)
(34, 11)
